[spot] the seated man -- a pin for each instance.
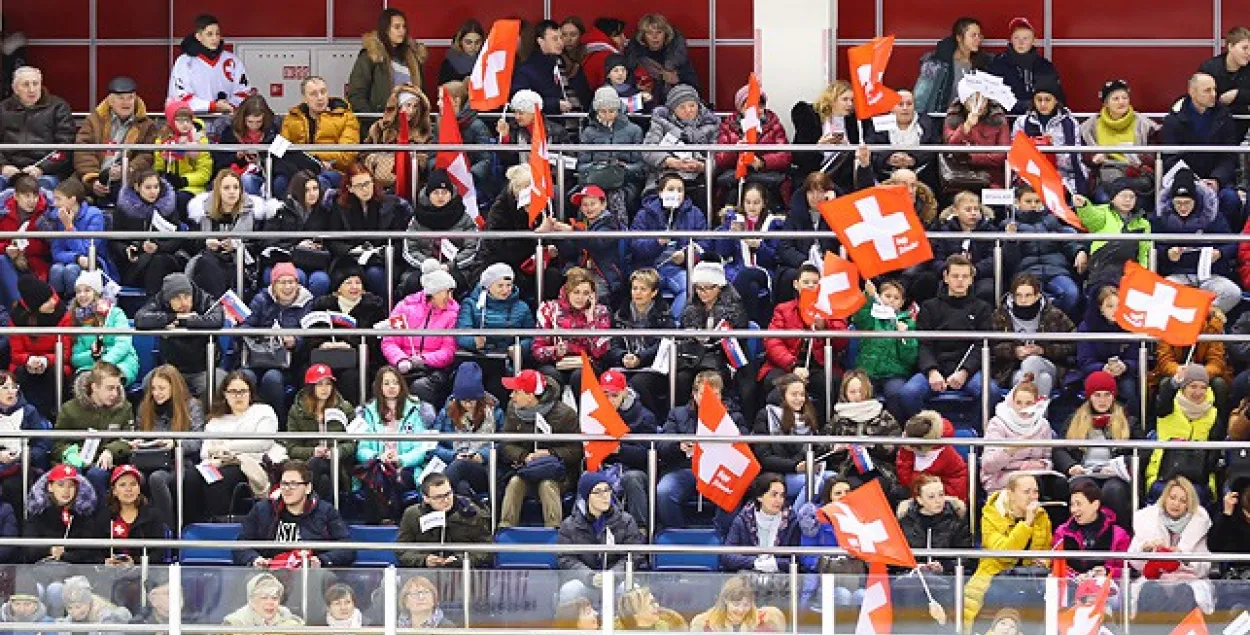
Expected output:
(33, 115)
(540, 72)
(548, 467)
(677, 485)
(121, 118)
(461, 521)
(296, 516)
(596, 520)
(1200, 119)
(321, 118)
(180, 304)
(631, 457)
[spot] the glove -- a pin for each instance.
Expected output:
(766, 564)
(176, 181)
(404, 366)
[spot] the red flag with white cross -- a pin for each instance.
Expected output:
(867, 63)
(723, 468)
(838, 295)
(1040, 173)
(879, 229)
(752, 126)
(867, 528)
(491, 79)
(1153, 305)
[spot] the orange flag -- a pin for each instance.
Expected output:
(1059, 571)
(541, 188)
(491, 79)
(837, 297)
(1086, 617)
(876, 611)
(879, 229)
(866, 526)
(1193, 624)
(1040, 173)
(867, 63)
(723, 469)
(752, 126)
(1153, 305)
(455, 162)
(597, 415)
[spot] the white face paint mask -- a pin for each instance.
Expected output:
(670, 200)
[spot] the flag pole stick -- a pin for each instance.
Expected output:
(807, 363)
(1190, 357)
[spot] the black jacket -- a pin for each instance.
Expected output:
(148, 525)
(579, 529)
(187, 353)
(685, 420)
(538, 73)
(659, 317)
(793, 252)
(1226, 81)
(633, 454)
(223, 160)
(980, 252)
(48, 120)
(387, 214)
(466, 523)
(319, 522)
(1020, 72)
(504, 216)
(290, 218)
(926, 162)
(781, 458)
(947, 530)
(945, 313)
(1178, 130)
(369, 311)
(45, 520)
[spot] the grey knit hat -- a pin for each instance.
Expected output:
(681, 94)
(606, 97)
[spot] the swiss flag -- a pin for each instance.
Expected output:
(597, 416)
(1193, 624)
(866, 526)
(454, 162)
(838, 296)
(1086, 618)
(541, 189)
(490, 82)
(867, 63)
(876, 613)
(1040, 173)
(751, 126)
(879, 229)
(723, 469)
(1153, 305)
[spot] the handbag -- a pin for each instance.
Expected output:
(608, 175)
(957, 175)
(310, 259)
(265, 353)
(149, 460)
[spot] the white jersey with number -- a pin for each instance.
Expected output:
(202, 80)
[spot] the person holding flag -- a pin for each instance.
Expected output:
(596, 519)
(751, 114)
(669, 209)
(473, 131)
(406, 119)
(888, 362)
(765, 521)
(830, 119)
(718, 306)
(750, 263)
(859, 413)
(629, 460)
(792, 414)
(526, 105)
(180, 304)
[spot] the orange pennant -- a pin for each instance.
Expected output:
(1193, 624)
(541, 187)
(866, 526)
(752, 126)
(1086, 617)
(867, 63)
(876, 610)
(723, 468)
(837, 297)
(597, 415)
(491, 79)
(1040, 173)
(879, 229)
(1153, 305)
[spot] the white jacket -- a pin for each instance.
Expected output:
(259, 418)
(200, 82)
(1148, 526)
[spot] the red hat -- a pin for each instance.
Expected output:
(1155, 569)
(1100, 380)
(122, 470)
(1020, 23)
(530, 381)
(62, 472)
(589, 190)
(612, 381)
(316, 373)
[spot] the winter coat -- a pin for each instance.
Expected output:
(1020, 72)
(1169, 359)
(38, 250)
(40, 616)
(241, 165)
(1176, 426)
(451, 446)
(473, 131)
(658, 316)
(1110, 537)
(163, 422)
(728, 309)
(621, 132)
(999, 462)
(386, 130)
(46, 520)
(451, 217)
(947, 530)
(731, 133)
(1217, 68)
(668, 131)
(67, 250)
(1179, 130)
(259, 418)
(370, 83)
(466, 523)
(1205, 218)
(580, 529)
(601, 256)
(539, 73)
(369, 311)
(991, 130)
(481, 311)
(251, 216)
(102, 611)
(947, 464)
(786, 354)
(246, 616)
(1103, 219)
(1148, 527)
(885, 359)
(561, 418)
(744, 533)
(148, 525)
(1061, 130)
(80, 413)
(633, 454)
(115, 349)
(23, 415)
(97, 128)
(1001, 532)
(300, 419)
(946, 313)
(420, 313)
(197, 170)
(268, 312)
(417, 416)
(926, 162)
(731, 250)
(782, 458)
(336, 125)
(320, 522)
(559, 314)
(1144, 129)
(48, 120)
(809, 128)
(1050, 320)
(1093, 355)
(134, 214)
(293, 216)
(673, 56)
(980, 252)
(935, 89)
(24, 347)
(1045, 259)
(883, 424)
(648, 252)
(685, 420)
(387, 214)
(186, 353)
(504, 215)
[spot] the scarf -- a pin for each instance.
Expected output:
(1025, 425)
(355, 621)
(1175, 526)
(858, 411)
(1201, 122)
(346, 305)
(1109, 131)
(171, 156)
(1192, 410)
(1025, 319)
(531, 414)
(766, 528)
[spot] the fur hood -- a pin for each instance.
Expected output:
(82, 394)
(260, 208)
(378, 55)
(84, 503)
(422, 130)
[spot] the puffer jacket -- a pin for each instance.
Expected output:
(451, 217)
(505, 215)
(948, 530)
(46, 520)
(1020, 72)
(25, 416)
(657, 317)
(24, 347)
(1093, 355)
(728, 308)
(386, 130)
(980, 252)
(744, 533)
(1102, 219)
(416, 309)
(48, 120)
(115, 349)
(782, 458)
(417, 416)
(648, 252)
(369, 311)
(187, 353)
(81, 414)
(621, 132)
(198, 170)
(731, 133)
(134, 214)
(1211, 354)
(561, 418)
(991, 130)
(673, 56)
(580, 529)
(1050, 320)
(1001, 532)
(1177, 426)
(67, 250)
(336, 125)
(1204, 219)
(947, 465)
(294, 216)
(370, 82)
(999, 463)
(38, 250)
(481, 311)
(1110, 537)
(385, 214)
(885, 359)
(1045, 258)
(268, 312)
(451, 445)
(731, 250)
(787, 353)
(599, 255)
(934, 89)
(667, 130)
(300, 419)
(465, 523)
(1062, 129)
(560, 314)
(97, 128)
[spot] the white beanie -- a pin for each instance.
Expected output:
(434, 279)
(495, 273)
(93, 279)
(709, 273)
(526, 100)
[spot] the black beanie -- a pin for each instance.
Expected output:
(612, 61)
(1049, 84)
(343, 270)
(34, 292)
(1184, 185)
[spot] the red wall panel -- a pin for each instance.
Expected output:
(66, 74)
(856, 21)
(910, 19)
(60, 19)
(355, 17)
(1156, 19)
(734, 19)
(131, 19)
(248, 18)
(733, 66)
(148, 65)
(443, 24)
(1157, 76)
(689, 17)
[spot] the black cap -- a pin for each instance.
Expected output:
(1111, 87)
(1184, 185)
(122, 85)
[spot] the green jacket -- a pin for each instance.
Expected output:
(883, 359)
(301, 420)
(1101, 219)
(80, 414)
(116, 349)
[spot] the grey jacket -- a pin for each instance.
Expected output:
(621, 132)
(667, 130)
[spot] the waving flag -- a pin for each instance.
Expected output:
(234, 307)
(734, 354)
(838, 295)
(751, 126)
(723, 469)
(862, 459)
(1193, 624)
(876, 612)
(490, 82)
(1040, 173)
(597, 415)
(879, 229)
(455, 162)
(867, 63)
(1153, 305)
(1086, 617)
(541, 189)
(341, 320)
(866, 526)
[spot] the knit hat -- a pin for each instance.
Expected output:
(467, 385)
(1119, 185)
(740, 97)
(1020, 23)
(1100, 380)
(709, 273)
(613, 60)
(439, 180)
(606, 98)
(76, 590)
(1049, 84)
(265, 583)
(175, 284)
(123, 470)
(1184, 185)
(93, 279)
(342, 270)
(526, 101)
(495, 273)
(434, 279)
(175, 109)
(1006, 614)
(283, 270)
(588, 482)
(316, 373)
(33, 291)
(1111, 87)
(1191, 373)
(681, 94)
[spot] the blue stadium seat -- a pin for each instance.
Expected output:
(753, 346)
(685, 561)
(209, 531)
(372, 533)
(526, 536)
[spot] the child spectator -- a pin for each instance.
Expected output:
(792, 416)
(187, 171)
(1050, 122)
(32, 358)
(1120, 216)
(1054, 263)
(975, 122)
(942, 461)
(90, 309)
(668, 210)
(1022, 66)
(22, 208)
(888, 362)
(252, 123)
(72, 256)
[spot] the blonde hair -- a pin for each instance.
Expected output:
(457, 90)
(735, 589)
(217, 210)
(966, 196)
(519, 177)
(647, 276)
(654, 20)
(1083, 421)
(824, 104)
(575, 277)
(1191, 494)
(412, 584)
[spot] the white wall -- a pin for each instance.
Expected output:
(785, 40)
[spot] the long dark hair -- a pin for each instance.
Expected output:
(456, 410)
(253, 105)
(377, 392)
(220, 407)
(384, 29)
(787, 414)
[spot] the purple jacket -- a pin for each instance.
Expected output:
(1110, 537)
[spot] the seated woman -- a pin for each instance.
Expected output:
(62, 504)
(1012, 520)
(390, 468)
(716, 304)
(941, 461)
(638, 610)
(418, 605)
(858, 413)
(1100, 418)
(84, 606)
(645, 309)
(264, 605)
(683, 119)
(166, 406)
(253, 123)
(405, 101)
(440, 208)
(236, 408)
(1118, 359)
(426, 361)
(766, 520)
(342, 353)
(967, 215)
(735, 611)
(596, 520)
(469, 409)
(147, 205)
(767, 168)
(465, 45)
(14, 407)
(1050, 122)
(578, 614)
(319, 407)
(750, 262)
(131, 516)
(1027, 311)
(508, 214)
(90, 309)
(495, 303)
(303, 210)
(620, 174)
(224, 210)
(830, 119)
(362, 206)
(668, 210)
(913, 131)
(793, 415)
(575, 309)
(1192, 415)
(816, 530)
(978, 121)
(1117, 124)
(602, 257)
(1021, 417)
(1091, 527)
(1176, 523)
(341, 610)
(932, 520)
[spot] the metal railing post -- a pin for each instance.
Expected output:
(985, 382)
(238, 266)
(175, 599)
(830, 398)
(709, 178)
(1142, 387)
(794, 594)
(959, 598)
(362, 363)
(809, 465)
(998, 273)
(972, 490)
(58, 370)
(389, 251)
(539, 267)
(561, 212)
(608, 610)
(125, 161)
(25, 475)
(1158, 175)
(414, 186)
(672, 375)
(1134, 479)
(828, 609)
(653, 477)
(179, 492)
(466, 586)
(690, 294)
(210, 372)
(269, 176)
(334, 472)
(493, 486)
(92, 254)
(1125, 580)
(390, 604)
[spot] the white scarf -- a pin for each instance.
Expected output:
(858, 411)
(927, 457)
(1025, 425)
(355, 621)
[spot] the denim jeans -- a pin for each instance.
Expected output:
(1065, 293)
(8, 282)
(916, 393)
(62, 276)
(673, 280)
(671, 494)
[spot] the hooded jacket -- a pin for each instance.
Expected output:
(654, 217)
(46, 520)
(667, 130)
(179, 166)
(786, 354)
(38, 250)
(370, 83)
(66, 250)
(999, 462)
(658, 316)
(48, 120)
(991, 130)
(580, 529)
(744, 532)
(134, 214)
(466, 523)
(480, 310)
(935, 89)
(1049, 320)
(97, 128)
(940, 461)
(386, 130)
(1205, 218)
(1148, 527)
(1108, 536)
(115, 349)
(560, 314)
(882, 358)
(1180, 128)
(621, 132)
(320, 522)
(731, 133)
(451, 445)
(80, 413)
(420, 312)
(452, 217)
(947, 313)
(946, 530)
(187, 353)
(416, 416)
(336, 125)
(673, 56)
(1020, 72)
(25, 416)
(561, 418)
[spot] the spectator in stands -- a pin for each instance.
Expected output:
(22, 208)
(940, 71)
(391, 467)
(717, 307)
(793, 415)
(571, 30)
(1228, 71)
(469, 409)
(816, 530)
(342, 353)
(90, 309)
(638, 610)
(1022, 67)
(418, 605)
(912, 130)
(236, 409)
(577, 308)
(541, 71)
(1176, 523)
(147, 205)
(1118, 359)
(34, 115)
(1117, 124)
(596, 519)
(625, 80)
(526, 106)
(669, 210)
(889, 363)
(167, 406)
(601, 258)
(829, 120)
(683, 119)
(1021, 417)
(1190, 207)
(389, 58)
(32, 358)
(577, 614)
(132, 517)
(295, 516)
(121, 118)
(180, 304)
(765, 521)
(748, 261)
(61, 505)
(322, 119)
(83, 606)
(659, 51)
(945, 364)
(362, 206)
(406, 101)
(628, 462)
(1171, 360)
(1054, 264)
(769, 168)
(858, 413)
(645, 309)
(615, 172)
(1100, 418)
(463, 522)
(473, 131)
(208, 76)
(72, 256)
(226, 210)
(1191, 416)
(273, 362)
(1025, 310)
(1122, 215)
(547, 467)
(1199, 118)
(1050, 121)
(930, 519)
(736, 611)
(341, 611)
(507, 213)
(677, 484)
(99, 403)
(264, 605)
(253, 123)
(942, 461)
(465, 45)
(604, 40)
(303, 210)
(188, 172)
(24, 604)
(1229, 531)
(967, 215)
(805, 357)
(17, 413)
(426, 360)
(495, 303)
(1012, 520)
(1091, 527)
(976, 122)
(440, 208)
(319, 407)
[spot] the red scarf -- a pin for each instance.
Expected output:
(403, 180)
(1101, 421)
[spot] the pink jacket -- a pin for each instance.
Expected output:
(560, 314)
(998, 462)
(438, 352)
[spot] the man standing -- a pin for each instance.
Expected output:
(440, 518)
(294, 517)
(540, 72)
(121, 118)
(206, 75)
(32, 115)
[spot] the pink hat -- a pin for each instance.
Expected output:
(282, 270)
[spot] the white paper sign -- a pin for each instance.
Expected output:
(367, 255)
(357, 426)
(433, 520)
(161, 225)
(448, 249)
(335, 415)
(314, 318)
(608, 538)
(523, 198)
(89, 449)
(1206, 256)
(885, 123)
(541, 425)
(434, 466)
(998, 196)
(882, 312)
(663, 356)
(279, 146)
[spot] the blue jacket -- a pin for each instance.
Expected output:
(448, 449)
(8, 529)
(512, 313)
(40, 448)
(647, 251)
(319, 522)
(67, 250)
(1205, 219)
(1045, 259)
(602, 255)
(412, 454)
(793, 252)
(730, 250)
(743, 533)
(813, 533)
(538, 73)
(1092, 356)
(266, 312)
(685, 420)
(633, 454)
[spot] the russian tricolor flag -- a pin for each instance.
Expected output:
(233, 306)
(733, 352)
(863, 461)
(341, 320)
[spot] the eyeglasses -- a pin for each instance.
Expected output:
(705, 288)
(601, 490)
(12, 387)
(439, 497)
(292, 484)
(362, 185)
(239, 392)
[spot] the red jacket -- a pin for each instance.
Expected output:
(38, 254)
(1243, 258)
(560, 314)
(984, 133)
(948, 466)
(783, 354)
(731, 133)
(598, 47)
(23, 347)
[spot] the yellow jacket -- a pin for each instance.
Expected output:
(1001, 532)
(198, 171)
(1176, 426)
(336, 125)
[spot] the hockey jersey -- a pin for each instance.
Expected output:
(201, 77)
